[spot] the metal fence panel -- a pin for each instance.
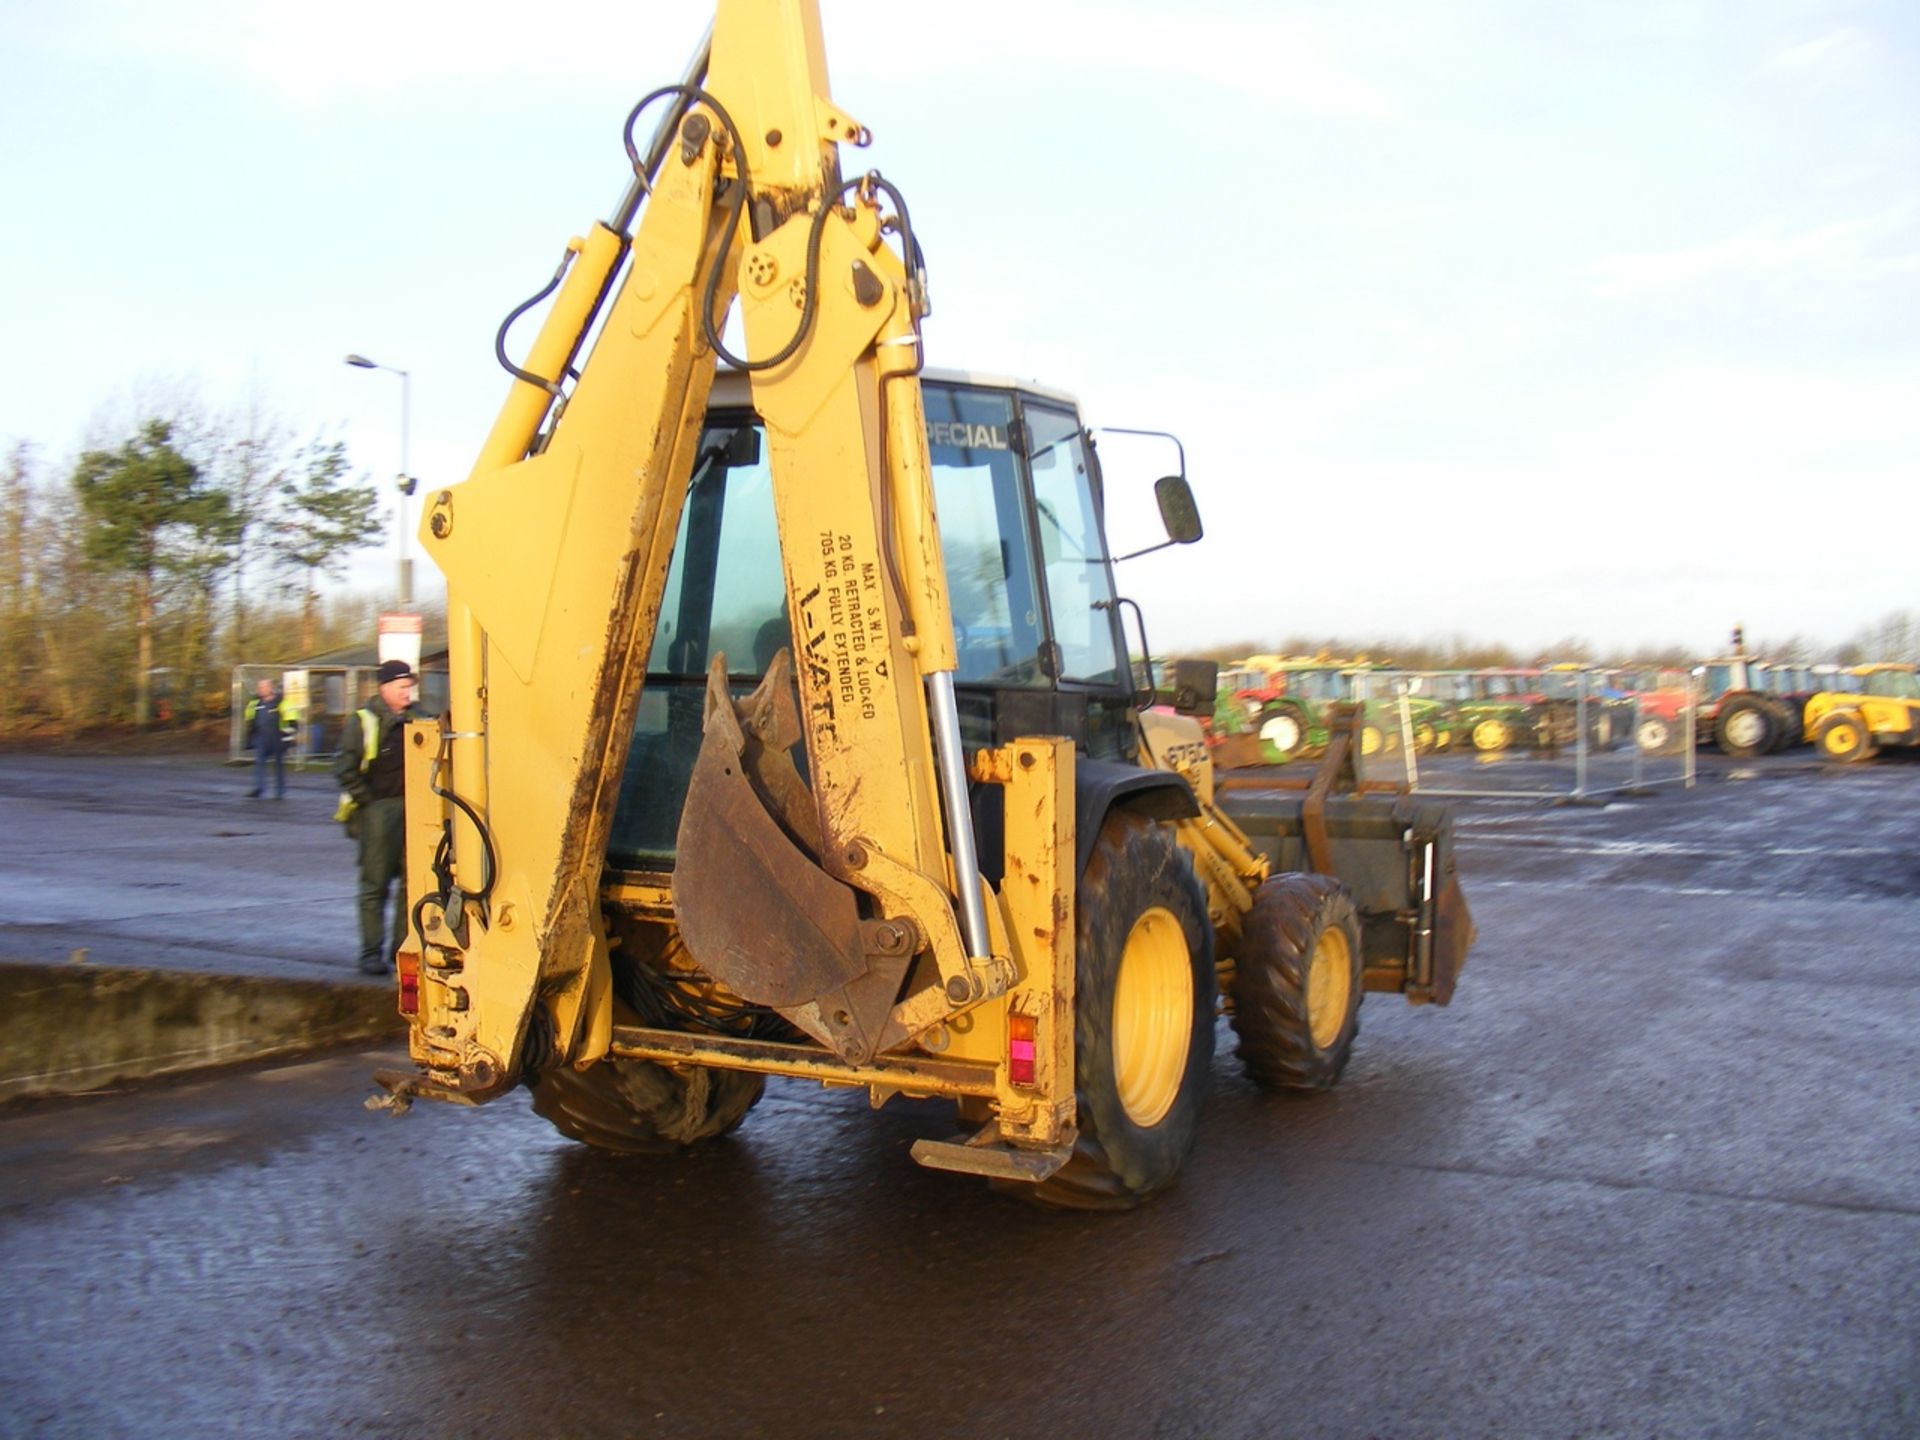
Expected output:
(333, 693)
(1553, 733)
(1558, 732)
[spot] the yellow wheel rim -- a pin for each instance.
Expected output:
(1152, 1017)
(1490, 735)
(1840, 740)
(1329, 987)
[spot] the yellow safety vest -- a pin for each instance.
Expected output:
(288, 726)
(369, 747)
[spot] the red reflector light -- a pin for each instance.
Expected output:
(1020, 1042)
(409, 968)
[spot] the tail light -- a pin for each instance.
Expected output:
(1020, 1041)
(409, 967)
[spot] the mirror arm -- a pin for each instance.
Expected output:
(1135, 554)
(1179, 449)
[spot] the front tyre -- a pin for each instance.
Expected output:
(1143, 1019)
(1845, 738)
(1297, 983)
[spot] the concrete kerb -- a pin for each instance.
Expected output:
(68, 1029)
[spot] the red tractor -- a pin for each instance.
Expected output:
(1738, 713)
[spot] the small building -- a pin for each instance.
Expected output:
(327, 688)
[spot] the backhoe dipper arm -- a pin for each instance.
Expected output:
(556, 551)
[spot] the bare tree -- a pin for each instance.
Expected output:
(251, 465)
(326, 517)
(16, 618)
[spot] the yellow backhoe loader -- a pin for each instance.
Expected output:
(754, 767)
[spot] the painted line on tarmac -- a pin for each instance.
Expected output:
(1670, 847)
(1604, 1182)
(1640, 887)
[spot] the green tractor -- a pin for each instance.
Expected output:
(1284, 704)
(1517, 709)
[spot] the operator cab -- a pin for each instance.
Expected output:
(1037, 631)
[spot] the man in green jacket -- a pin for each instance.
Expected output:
(371, 772)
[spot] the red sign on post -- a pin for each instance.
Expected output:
(400, 637)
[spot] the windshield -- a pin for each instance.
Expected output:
(1501, 687)
(989, 542)
(1013, 557)
(1894, 684)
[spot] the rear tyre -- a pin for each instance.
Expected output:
(640, 1108)
(1844, 738)
(1143, 1019)
(1283, 733)
(1787, 730)
(1655, 736)
(1745, 727)
(1297, 983)
(1492, 735)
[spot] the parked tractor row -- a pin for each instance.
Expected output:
(1274, 709)
(1846, 715)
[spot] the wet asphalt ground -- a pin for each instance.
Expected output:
(1656, 1171)
(166, 862)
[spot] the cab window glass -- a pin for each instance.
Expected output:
(1072, 554)
(983, 536)
(725, 591)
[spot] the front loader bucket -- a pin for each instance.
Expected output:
(1395, 854)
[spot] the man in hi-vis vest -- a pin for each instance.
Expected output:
(371, 772)
(270, 729)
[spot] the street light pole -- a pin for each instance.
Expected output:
(404, 481)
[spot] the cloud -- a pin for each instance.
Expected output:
(1797, 423)
(1250, 50)
(353, 49)
(1837, 55)
(1839, 248)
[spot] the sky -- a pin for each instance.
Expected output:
(1492, 318)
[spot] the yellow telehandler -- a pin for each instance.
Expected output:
(753, 767)
(1881, 709)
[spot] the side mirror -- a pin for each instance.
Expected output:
(1196, 685)
(1177, 510)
